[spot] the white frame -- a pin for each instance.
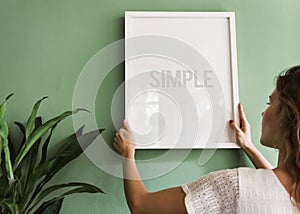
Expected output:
(131, 15)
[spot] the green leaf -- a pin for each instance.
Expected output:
(10, 205)
(2, 165)
(67, 141)
(54, 208)
(3, 125)
(63, 142)
(35, 135)
(1, 148)
(3, 106)
(3, 129)
(83, 188)
(21, 176)
(39, 172)
(18, 193)
(21, 127)
(5, 148)
(31, 120)
(43, 169)
(12, 149)
(73, 149)
(29, 163)
(17, 146)
(69, 150)
(45, 145)
(8, 194)
(3, 186)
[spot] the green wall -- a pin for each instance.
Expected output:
(45, 44)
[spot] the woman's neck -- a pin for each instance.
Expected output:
(282, 174)
(281, 157)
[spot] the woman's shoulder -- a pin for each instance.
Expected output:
(260, 191)
(215, 192)
(224, 172)
(257, 177)
(261, 183)
(247, 173)
(226, 178)
(252, 171)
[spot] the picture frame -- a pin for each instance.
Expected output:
(181, 79)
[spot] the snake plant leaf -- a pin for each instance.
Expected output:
(31, 120)
(83, 188)
(38, 133)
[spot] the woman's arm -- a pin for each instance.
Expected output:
(138, 199)
(243, 137)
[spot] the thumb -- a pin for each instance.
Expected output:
(234, 126)
(126, 125)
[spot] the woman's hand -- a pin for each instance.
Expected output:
(243, 134)
(243, 138)
(124, 141)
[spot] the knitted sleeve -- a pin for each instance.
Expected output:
(216, 192)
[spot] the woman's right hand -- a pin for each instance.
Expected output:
(243, 134)
(243, 137)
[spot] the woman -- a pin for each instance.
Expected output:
(242, 190)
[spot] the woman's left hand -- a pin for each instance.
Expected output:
(124, 141)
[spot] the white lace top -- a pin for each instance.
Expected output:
(242, 190)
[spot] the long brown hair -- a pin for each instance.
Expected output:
(288, 87)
